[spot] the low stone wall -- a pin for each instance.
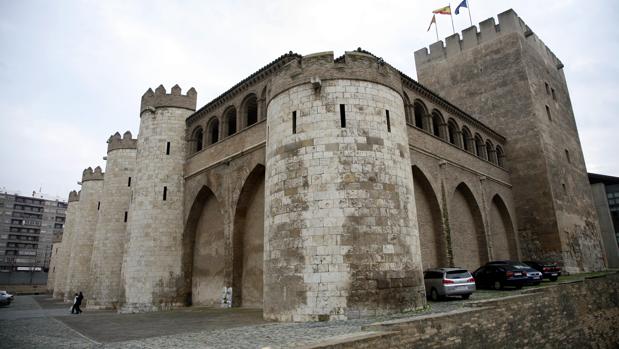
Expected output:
(580, 314)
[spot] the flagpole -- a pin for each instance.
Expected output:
(436, 29)
(468, 7)
(452, 20)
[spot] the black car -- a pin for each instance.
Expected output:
(498, 276)
(549, 270)
(534, 277)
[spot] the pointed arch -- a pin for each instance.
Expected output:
(467, 140)
(491, 151)
(500, 156)
(204, 250)
(502, 230)
(248, 239)
(467, 229)
(480, 147)
(431, 238)
(197, 138)
(438, 123)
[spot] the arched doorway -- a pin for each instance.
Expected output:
(204, 250)
(433, 249)
(248, 240)
(502, 231)
(467, 232)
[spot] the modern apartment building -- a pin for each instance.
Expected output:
(28, 226)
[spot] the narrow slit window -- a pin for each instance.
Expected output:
(294, 122)
(126, 214)
(98, 205)
(165, 193)
(129, 182)
(342, 115)
(548, 113)
(567, 156)
(167, 148)
(547, 88)
(554, 96)
(388, 122)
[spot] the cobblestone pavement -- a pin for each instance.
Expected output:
(40, 322)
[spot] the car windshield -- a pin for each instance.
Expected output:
(458, 274)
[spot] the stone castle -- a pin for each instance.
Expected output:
(320, 188)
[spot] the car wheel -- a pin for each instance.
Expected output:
(466, 296)
(434, 295)
(497, 285)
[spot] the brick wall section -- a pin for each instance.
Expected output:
(110, 237)
(582, 314)
(341, 238)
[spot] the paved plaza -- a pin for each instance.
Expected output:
(42, 322)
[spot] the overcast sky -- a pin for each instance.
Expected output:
(72, 72)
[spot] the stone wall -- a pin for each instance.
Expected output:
(53, 265)
(64, 254)
(507, 78)
(340, 223)
(78, 271)
(580, 314)
(152, 272)
(111, 233)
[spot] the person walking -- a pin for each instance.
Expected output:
(78, 302)
(74, 307)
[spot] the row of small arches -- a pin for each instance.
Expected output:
(217, 129)
(450, 131)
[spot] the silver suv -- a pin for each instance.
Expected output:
(443, 282)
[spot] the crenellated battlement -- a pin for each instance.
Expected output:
(160, 98)
(322, 66)
(90, 175)
(509, 23)
(126, 142)
(74, 196)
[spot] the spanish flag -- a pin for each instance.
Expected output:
(443, 10)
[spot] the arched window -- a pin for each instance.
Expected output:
(453, 133)
(491, 152)
(420, 112)
(230, 121)
(198, 137)
(407, 107)
(250, 110)
(437, 124)
(213, 130)
(467, 139)
(500, 155)
(480, 147)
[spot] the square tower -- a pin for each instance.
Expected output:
(506, 77)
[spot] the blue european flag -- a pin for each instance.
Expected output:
(462, 4)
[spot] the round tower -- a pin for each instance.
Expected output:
(64, 252)
(110, 237)
(341, 237)
(85, 224)
(152, 265)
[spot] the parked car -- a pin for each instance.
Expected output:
(442, 282)
(7, 294)
(549, 270)
(534, 277)
(499, 276)
(5, 299)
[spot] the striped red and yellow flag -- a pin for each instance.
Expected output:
(443, 10)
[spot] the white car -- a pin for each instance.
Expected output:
(7, 294)
(5, 298)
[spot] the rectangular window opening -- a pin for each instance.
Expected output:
(126, 216)
(167, 149)
(548, 113)
(294, 122)
(165, 193)
(129, 182)
(388, 122)
(342, 115)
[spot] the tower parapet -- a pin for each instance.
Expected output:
(509, 22)
(90, 175)
(126, 142)
(159, 98)
(74, 196)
